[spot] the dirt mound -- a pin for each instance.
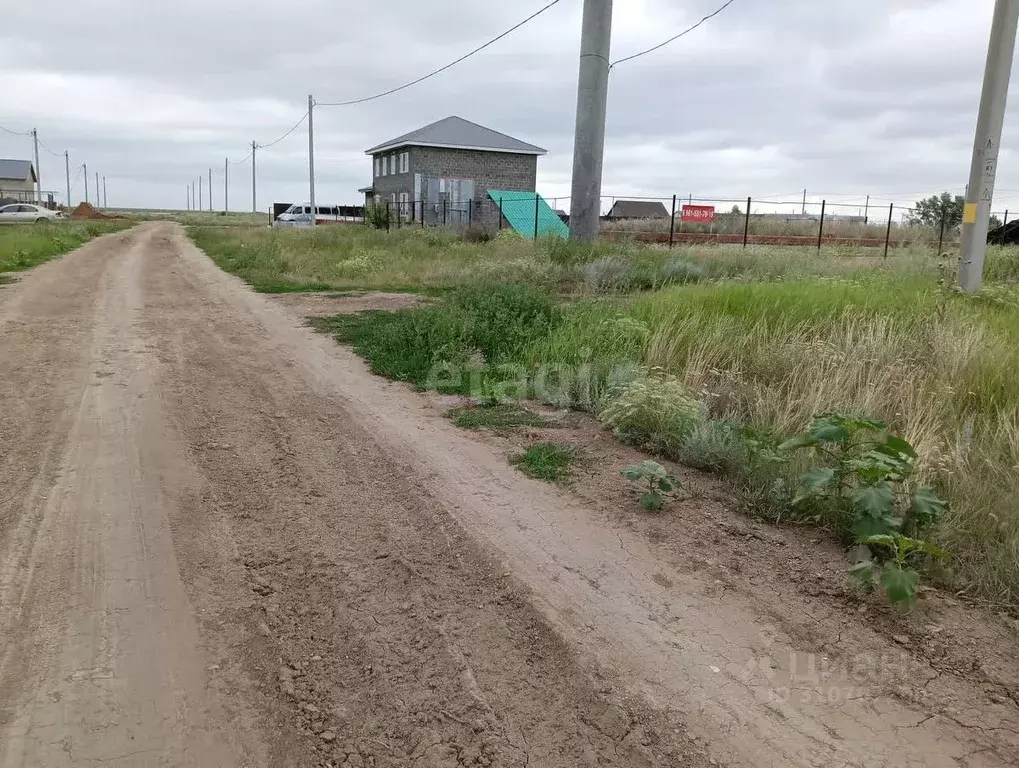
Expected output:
(88, 211)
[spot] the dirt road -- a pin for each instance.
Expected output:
(223, 543)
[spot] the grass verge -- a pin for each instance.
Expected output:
(23, 246)
(547, 461)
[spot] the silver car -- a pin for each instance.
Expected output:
(22, 213)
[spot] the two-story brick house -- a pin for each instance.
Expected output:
(444, 171)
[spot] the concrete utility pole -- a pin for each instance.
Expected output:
(106, 203)
(253, 148)
(199, 193)
(592, 102)
(84, 173)
(210, 190)
(38, 171)
(187, 198)
(67, 173)
(226, 185)
(99, 201)
(311, 157)
(866, 210)
(804, 209)
(986, 144)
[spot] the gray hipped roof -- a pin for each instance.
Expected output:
(20, 170)
(637, 209)
(457, 133)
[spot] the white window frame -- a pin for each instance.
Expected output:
(404, 162)
(385, 165)
(392, 163)
(378, 167)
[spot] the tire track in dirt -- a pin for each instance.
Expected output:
(714, 657)
(341, 596)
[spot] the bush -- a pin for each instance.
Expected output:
(476, 233)
(679, 270)
(377, 216)
(657, 412)
(616, 273)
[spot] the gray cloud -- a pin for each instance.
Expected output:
(853, 98)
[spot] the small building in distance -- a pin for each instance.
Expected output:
(637, 209)
(444, 170)
(17, 181)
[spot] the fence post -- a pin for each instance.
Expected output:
(941, 232)
(470, 212)
(820, 229)
(500, 214)
(537, 202)
(672, 222)
(888, 231)
(1003, 223)
(746, 224)
(444, 201)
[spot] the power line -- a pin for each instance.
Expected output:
(443, 68)
(274, 143)
(15, 133)
(675, 37)
(55, 154)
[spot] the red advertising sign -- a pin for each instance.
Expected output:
(698, 214)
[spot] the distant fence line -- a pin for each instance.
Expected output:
(732, 222)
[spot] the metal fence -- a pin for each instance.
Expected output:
(28, 196)
(690, 220)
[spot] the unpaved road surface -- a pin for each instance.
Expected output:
(223, 543)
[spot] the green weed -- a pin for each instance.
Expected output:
(496, 417)
(547, 461)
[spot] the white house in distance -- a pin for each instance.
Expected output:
(17, 181)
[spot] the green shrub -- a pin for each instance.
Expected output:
(659, 483)
(377, 216)
(657, 412)
(477, 233)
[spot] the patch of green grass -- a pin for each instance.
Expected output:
(453, 346)
(547, 461)
(23, 246)
(496, 417)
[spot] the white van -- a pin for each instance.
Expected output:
(299, 215)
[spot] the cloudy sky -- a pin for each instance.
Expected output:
(842, 97)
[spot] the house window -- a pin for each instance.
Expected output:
(404, 162)
(405, 204)
(378, 167)
(385, 163)
(392, 162)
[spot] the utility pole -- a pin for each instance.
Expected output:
(210, 190)
(804, 209)
(187, 203)
(199, 193)
(592, 102)
(986, 144)
(38, 171)
(253, 148)
(311, 158)
(67, 174)
(106, 203)
(226, 185)
(99, 201)
(84, 173)
(866, 210)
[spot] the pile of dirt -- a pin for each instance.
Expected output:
(88, 211)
